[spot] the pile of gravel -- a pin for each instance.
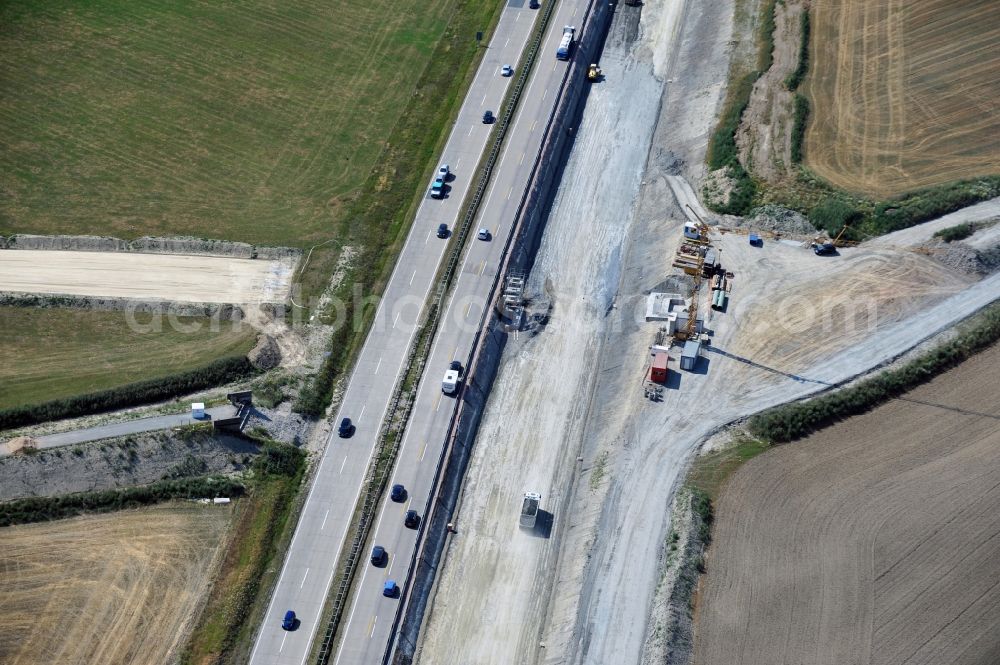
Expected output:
(965, 258)
(775, 218)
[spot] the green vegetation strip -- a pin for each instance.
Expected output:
(800, 119)
(42, 509)
(794, 421)
(794, 80)
(224, 632)
(132, 394)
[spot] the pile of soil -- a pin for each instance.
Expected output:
(266, 355)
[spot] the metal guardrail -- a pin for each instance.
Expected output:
(398, 413)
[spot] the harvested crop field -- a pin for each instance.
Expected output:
(55, 353)
(903, 94)
(247, 120)
(147, 277)
(874, 541)
(116, 588)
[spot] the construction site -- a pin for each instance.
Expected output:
(651, 324)
(599, 331)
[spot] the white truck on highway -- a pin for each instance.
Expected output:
(566, 43)
(450, 383)
(529, 509)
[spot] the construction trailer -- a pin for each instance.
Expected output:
(690, 355)
(658, 371)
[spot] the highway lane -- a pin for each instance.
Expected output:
(370, 616)
(311, 561)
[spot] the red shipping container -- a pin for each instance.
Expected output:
(658, 372)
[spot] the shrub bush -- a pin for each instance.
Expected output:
(131, 394)
(832, 214)
(958, 232)
(800, 120)
(279, 459)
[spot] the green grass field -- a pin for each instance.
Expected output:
(53, 353)
(248, 120)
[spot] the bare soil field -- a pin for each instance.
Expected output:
(874, 541)
(117, 588)
(43, 350)
(158, 277)
(903, 94)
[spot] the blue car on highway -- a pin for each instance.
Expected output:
(288, 623)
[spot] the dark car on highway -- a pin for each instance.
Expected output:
(379, 555)
(346, 428)
(288, 623)
(412, 519)
(488, 118)
(442, 231)
(398, 493)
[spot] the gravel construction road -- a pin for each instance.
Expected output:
(874, 541)
(160, 277)
(579, 589)
(117, 588)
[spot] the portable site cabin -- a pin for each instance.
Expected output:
(691, 231)
(690, 355)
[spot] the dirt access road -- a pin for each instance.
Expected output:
(567, 418)
(159, 277)
(115, 589)
(874, 541)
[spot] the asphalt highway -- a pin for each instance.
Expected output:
(370, 615)
(311, 561)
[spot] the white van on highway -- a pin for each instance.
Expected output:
(450, 383)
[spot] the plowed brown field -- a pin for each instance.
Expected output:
(117, 588)
(875, 541)
(904, 94)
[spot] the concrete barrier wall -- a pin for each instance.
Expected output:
(488, 351)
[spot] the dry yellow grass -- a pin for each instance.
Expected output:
(110, 589)
(875, 541)
(904, 94)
